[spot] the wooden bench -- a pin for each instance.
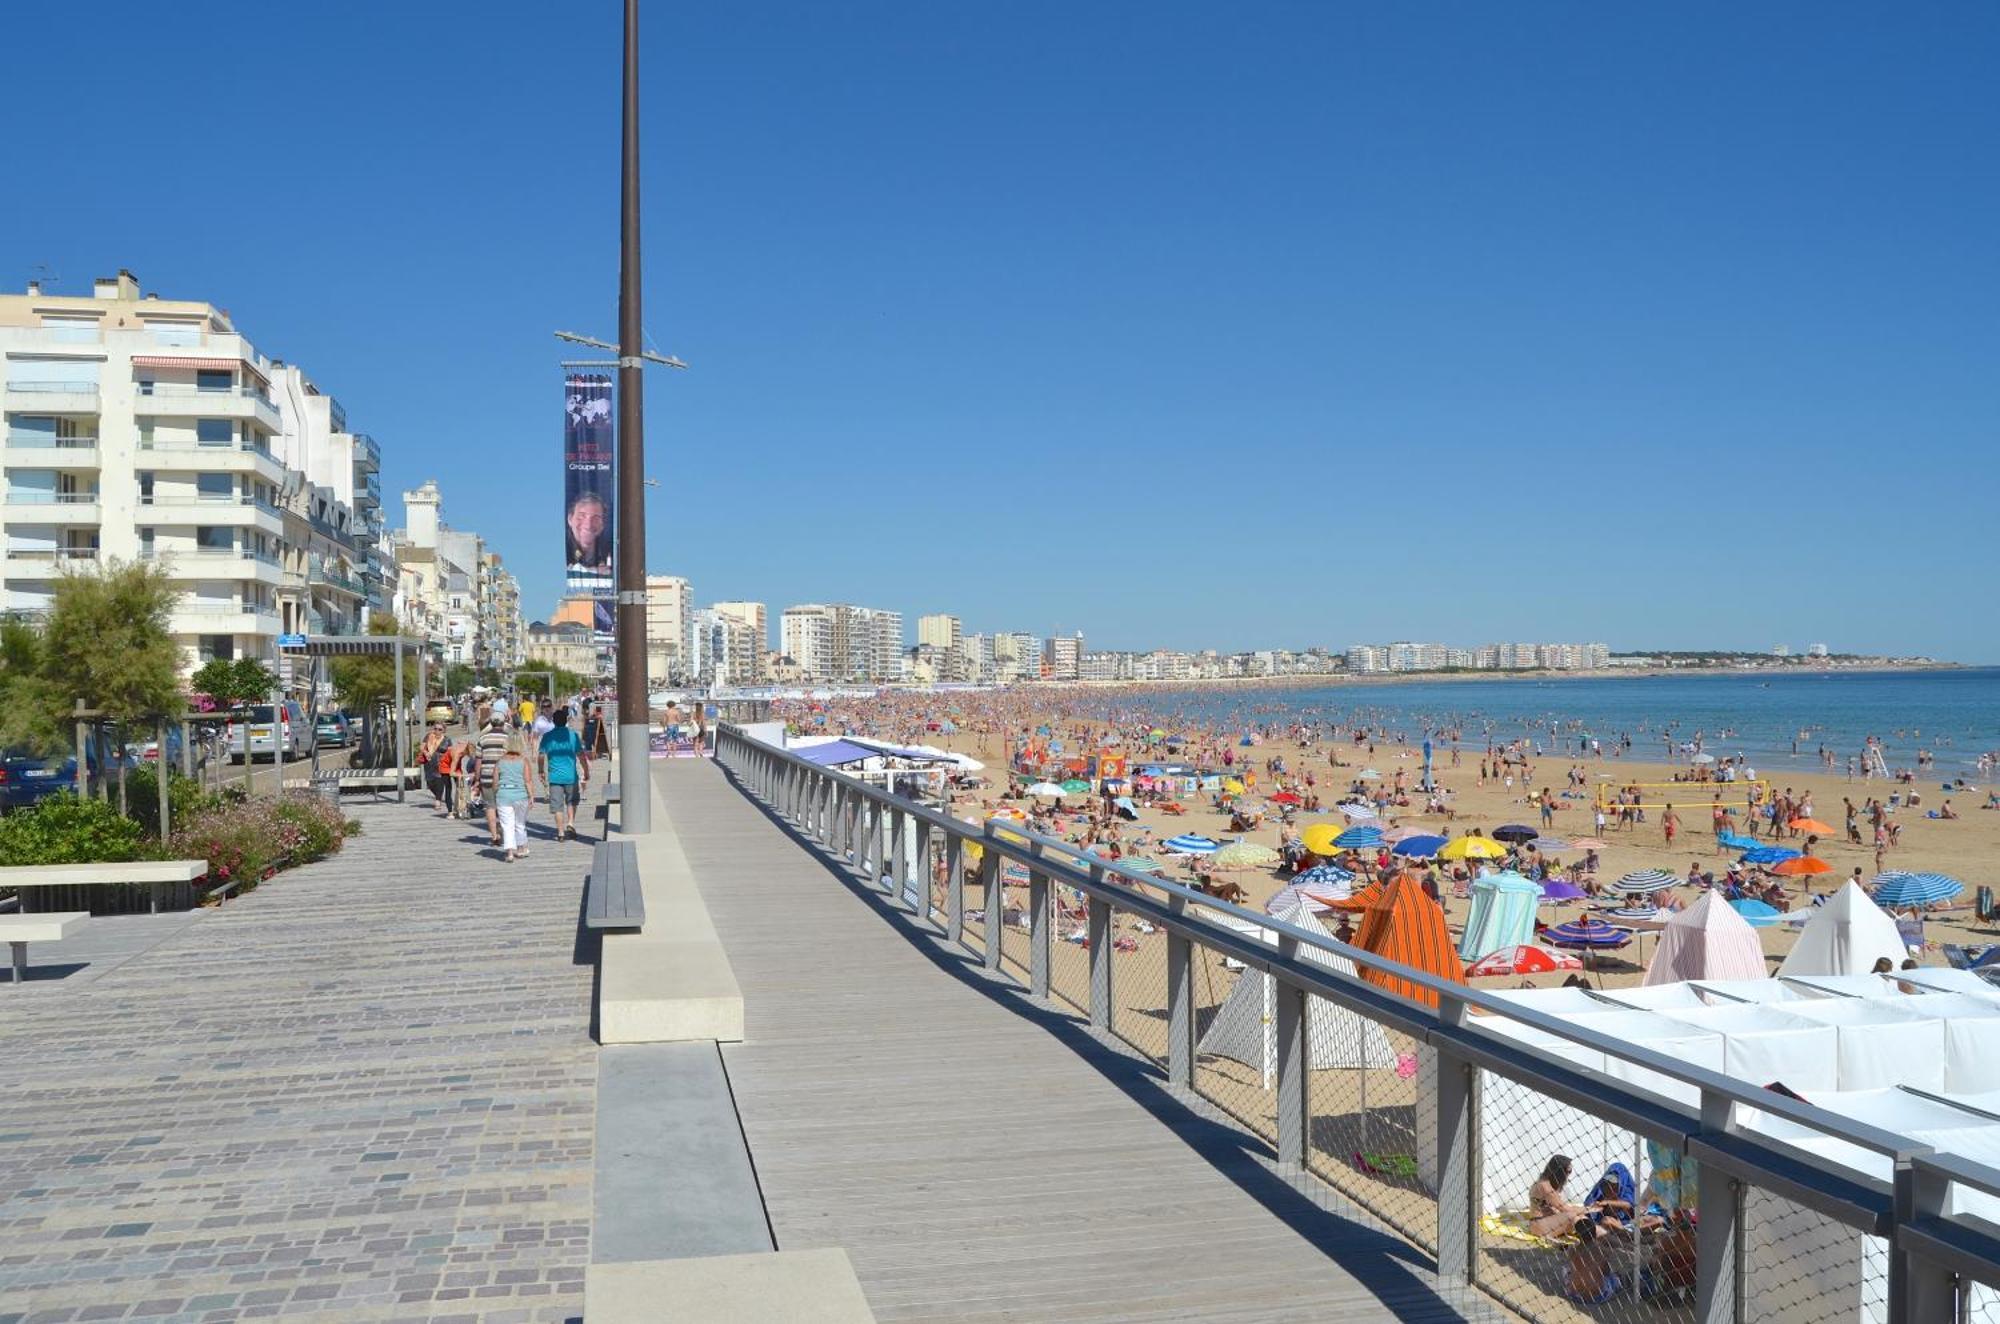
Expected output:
(611, 897)
(378, 780)
(17, 931)
(151, 874)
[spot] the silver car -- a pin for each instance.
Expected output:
(293, 734)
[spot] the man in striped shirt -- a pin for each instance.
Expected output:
(492, 744)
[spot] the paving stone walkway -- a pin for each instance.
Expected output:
(365, 1091)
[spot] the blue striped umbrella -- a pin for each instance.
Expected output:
(1418, 848)
(1324, 875)
(1768, 855)
(1642, 882)
(1899, 887)
(1191, 844)
(1357, 838)
(1585, 932)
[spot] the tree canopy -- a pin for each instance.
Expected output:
(108, 642)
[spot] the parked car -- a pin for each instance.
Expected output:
(28, 778)
(440, 710)
(291, 736)
(334, 728)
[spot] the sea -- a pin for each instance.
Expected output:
(1772, 719)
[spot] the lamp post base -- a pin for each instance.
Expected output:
(635, 767)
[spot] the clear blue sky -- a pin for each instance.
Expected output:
(1182, 324)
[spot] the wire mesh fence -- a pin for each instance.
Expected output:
(1139, 1011)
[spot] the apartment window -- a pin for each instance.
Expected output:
(215, 487)
(214, 646)
(145, 487)
(214, 537)
(214, 431)
(214, 379)
(184, 335)
(146, 548)
(146, 432)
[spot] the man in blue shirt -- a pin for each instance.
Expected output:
(560, 751)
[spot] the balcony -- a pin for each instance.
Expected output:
(38, 450)
(186, 507)
(186, 400)
(202, 616)
(43, 563)
(215, 563)
(44, 507)
(212, 457)
(332, 577)
(367, 456)
(52, 397)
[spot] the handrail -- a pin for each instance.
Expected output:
(1931, 1256)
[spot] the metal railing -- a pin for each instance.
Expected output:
(43, 441)
(28, 496)
(1419, 1165)
(238, 444)
(52, 554)
(53, 388)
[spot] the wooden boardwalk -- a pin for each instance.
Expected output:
(981, 1156)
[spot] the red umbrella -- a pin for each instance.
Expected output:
(1527, 959)
(1286, 798)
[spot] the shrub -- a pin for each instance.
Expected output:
(66, 830)
(245, 842)
(142, 790)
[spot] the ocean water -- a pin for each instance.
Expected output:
(1955, 714)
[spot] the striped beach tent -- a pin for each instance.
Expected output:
(1405, 925)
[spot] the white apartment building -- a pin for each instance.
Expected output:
(805, 635)
(837, 642)
(141, 428)
(939, 631)
(670, 643)
(449, 587)
(1062, 656)
(1367, 658)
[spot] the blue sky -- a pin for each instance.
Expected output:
(1189, 325)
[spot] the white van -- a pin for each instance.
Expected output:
(294, 734)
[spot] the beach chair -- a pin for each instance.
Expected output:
(1956, 955)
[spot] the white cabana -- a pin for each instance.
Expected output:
(1846, 936)
(1722, 992)
(1766, 1045)
(1945, 979)
(1708, 940)
(1655, 997)
(1245, 1027)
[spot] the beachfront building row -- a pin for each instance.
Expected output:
(138, 428)
(453, 591)
(839, 643)
(1365, 659)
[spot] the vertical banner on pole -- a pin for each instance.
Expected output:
(588, 530)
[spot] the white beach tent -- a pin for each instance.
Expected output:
(1245, 1027)
(1708, 940)
(1847, 936)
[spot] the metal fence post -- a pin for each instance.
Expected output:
(899, 862)
(1293, 1114)
(920, 895)
(1180, 1002)
(878, 842)
(1100, 960)
(996, 901)
(1919, 1290)
(1459, 1192)
(1719, 1232)
(1038, 933)
(954, 887)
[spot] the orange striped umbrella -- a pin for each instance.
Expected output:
(1407, 926)
(1801, 865)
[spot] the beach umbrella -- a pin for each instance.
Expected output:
(1801, 866)
(1074, 786)
(1243, 855)
(1644, 882)
(1526, 959)
(1546, 845)
(1190, 843)
(1755, 913)
(1418, 847)
(1357, 813)
(1298, 894)
(1901, 888)
(1559, 890)
(1812, 825)
(1319, 838)
(1638, 914)
(1514, 832)
(1287, 798)
(1233, 786)
(1325, 876)
(1404, 925)
(1359, 838)
(1472, 848)
(1006, 813)
(1702, 758)
(1049, 789)
(1588, 933)
(1368, 774)
(1767, 855)
(1590, 843)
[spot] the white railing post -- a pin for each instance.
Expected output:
(899, 861)
(1180, 1001)
(1459, 1184)
(923, 870)
(996, 901)
(1919, 1290)
(954, 887)
(1294, 1115)
(1718, 1230)
(1100, 958)
(1038, 932)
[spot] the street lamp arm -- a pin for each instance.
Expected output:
(665, 360)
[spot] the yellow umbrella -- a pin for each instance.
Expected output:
(1233, 786)
(1319, 838)
(1473, 848)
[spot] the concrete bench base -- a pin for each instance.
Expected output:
(781, 1287)
(672, 981)
(154, 875)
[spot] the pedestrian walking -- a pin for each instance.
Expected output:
(514, 786)
(492, 746)
(561, 753)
